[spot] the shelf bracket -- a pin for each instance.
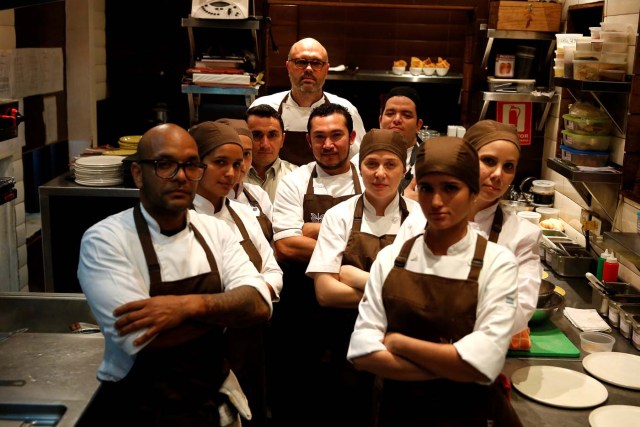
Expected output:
(614, 105)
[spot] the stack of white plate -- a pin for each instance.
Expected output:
(98, 171)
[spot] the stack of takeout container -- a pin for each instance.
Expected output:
(586, 136)
(603, 56)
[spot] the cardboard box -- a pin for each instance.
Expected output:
(525, 16)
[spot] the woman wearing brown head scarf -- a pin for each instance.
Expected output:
(435, 321)
(499, 152)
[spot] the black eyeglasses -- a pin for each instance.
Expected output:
(167, 169)
(316, 64)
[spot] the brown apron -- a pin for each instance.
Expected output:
(441, 310)
(263, 219)
(299, 337)
(245, 346)
(496, 226)
(296, 148)
(353, 389)
(175, 386)
(315, 205)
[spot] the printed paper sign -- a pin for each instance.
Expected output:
(517, 114)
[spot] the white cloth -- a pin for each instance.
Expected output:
(288, 212)
(274, 174)
(295, 118)
(519, 236)
(270, 269)
(586, 319)
(258, 193)
(486, 347)
(336, 229)
(113, 271)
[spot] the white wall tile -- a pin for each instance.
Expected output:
(621, 7)
(626, 219)
(617, 150)
(21, 237)
(20, 189)
(23, 275)
(20, 213)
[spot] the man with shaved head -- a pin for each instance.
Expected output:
(163, 282)
(307, 65)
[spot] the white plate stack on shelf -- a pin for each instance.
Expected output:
(99, 171)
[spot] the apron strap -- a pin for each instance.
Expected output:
(478, 258)
(404, 212)
(356, 181)
(314, 174)
(286, 97)
(252, 200)
(238, 221)
(210, 257)
(401, 259)
(358, 212)
(496, 226)
(147, 246)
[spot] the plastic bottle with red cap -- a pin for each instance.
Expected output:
(610, 269)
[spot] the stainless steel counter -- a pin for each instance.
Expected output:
(57, 369)
(533, 414)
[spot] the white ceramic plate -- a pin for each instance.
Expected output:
(99, 183)
(559, 387)
(99, 160)
(615, 416)
(621, 369)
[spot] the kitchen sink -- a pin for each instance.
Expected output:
(43, 311)
(17, 414)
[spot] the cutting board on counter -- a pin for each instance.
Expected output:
(548, 341)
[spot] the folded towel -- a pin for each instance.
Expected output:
(586, 319)
(521, 340)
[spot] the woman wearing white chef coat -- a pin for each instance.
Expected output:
(499, 152)
(435, 321)
(351, 235)
(221, 150)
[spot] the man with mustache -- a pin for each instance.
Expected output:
(303, 197)
(307, 65)
(267, 168)
(163, 282)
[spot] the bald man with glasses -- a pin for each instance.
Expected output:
(307, 65)
(163, 282)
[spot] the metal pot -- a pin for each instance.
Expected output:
(544, 312)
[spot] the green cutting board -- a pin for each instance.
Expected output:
(548, 341)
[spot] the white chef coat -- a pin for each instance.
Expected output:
(258, 193)
(288, 212)
(113, 271)
(295, 118)
(486, 347)
(274, 174)
(270, 270)
(336, 229)
(518, 235)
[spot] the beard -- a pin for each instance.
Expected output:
(340, 164)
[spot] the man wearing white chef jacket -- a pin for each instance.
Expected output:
(163, 282)
(307, 65)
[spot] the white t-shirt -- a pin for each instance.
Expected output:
(270, 269)
(518, 235)
(486, 347)
(336, 229)
(288, 212)
(113, 271)
(295, 118)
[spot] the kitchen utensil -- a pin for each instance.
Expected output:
(547, 341)
(615, 416)
(6, 335)
(83, 328)
(546, 292)
(593, 342)
(546, 310)
(621, 369)
(12, 383)
(560, 387)
(598, 284)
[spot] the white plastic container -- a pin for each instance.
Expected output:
(567, 39)
(614, 47)
(547, 213)
(531, 216)
(614, 36)
(595, 32)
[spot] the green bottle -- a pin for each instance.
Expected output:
(603, 257)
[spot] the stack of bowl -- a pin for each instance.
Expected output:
(549, 303)
(586, 137)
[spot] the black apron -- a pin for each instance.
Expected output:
(176, 386)
(299, 338)
(296, 148)
(353, 389)
(441, 310)
(245, 346)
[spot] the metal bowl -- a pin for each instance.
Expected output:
(515, 206)
(547, 310)
(546, 292)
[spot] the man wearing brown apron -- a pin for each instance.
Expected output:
(307, 65)
(163, 282)
(435, 322)
(351, 236)
(302, 200)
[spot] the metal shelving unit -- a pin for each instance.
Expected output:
(518, 35)
(488, 97)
